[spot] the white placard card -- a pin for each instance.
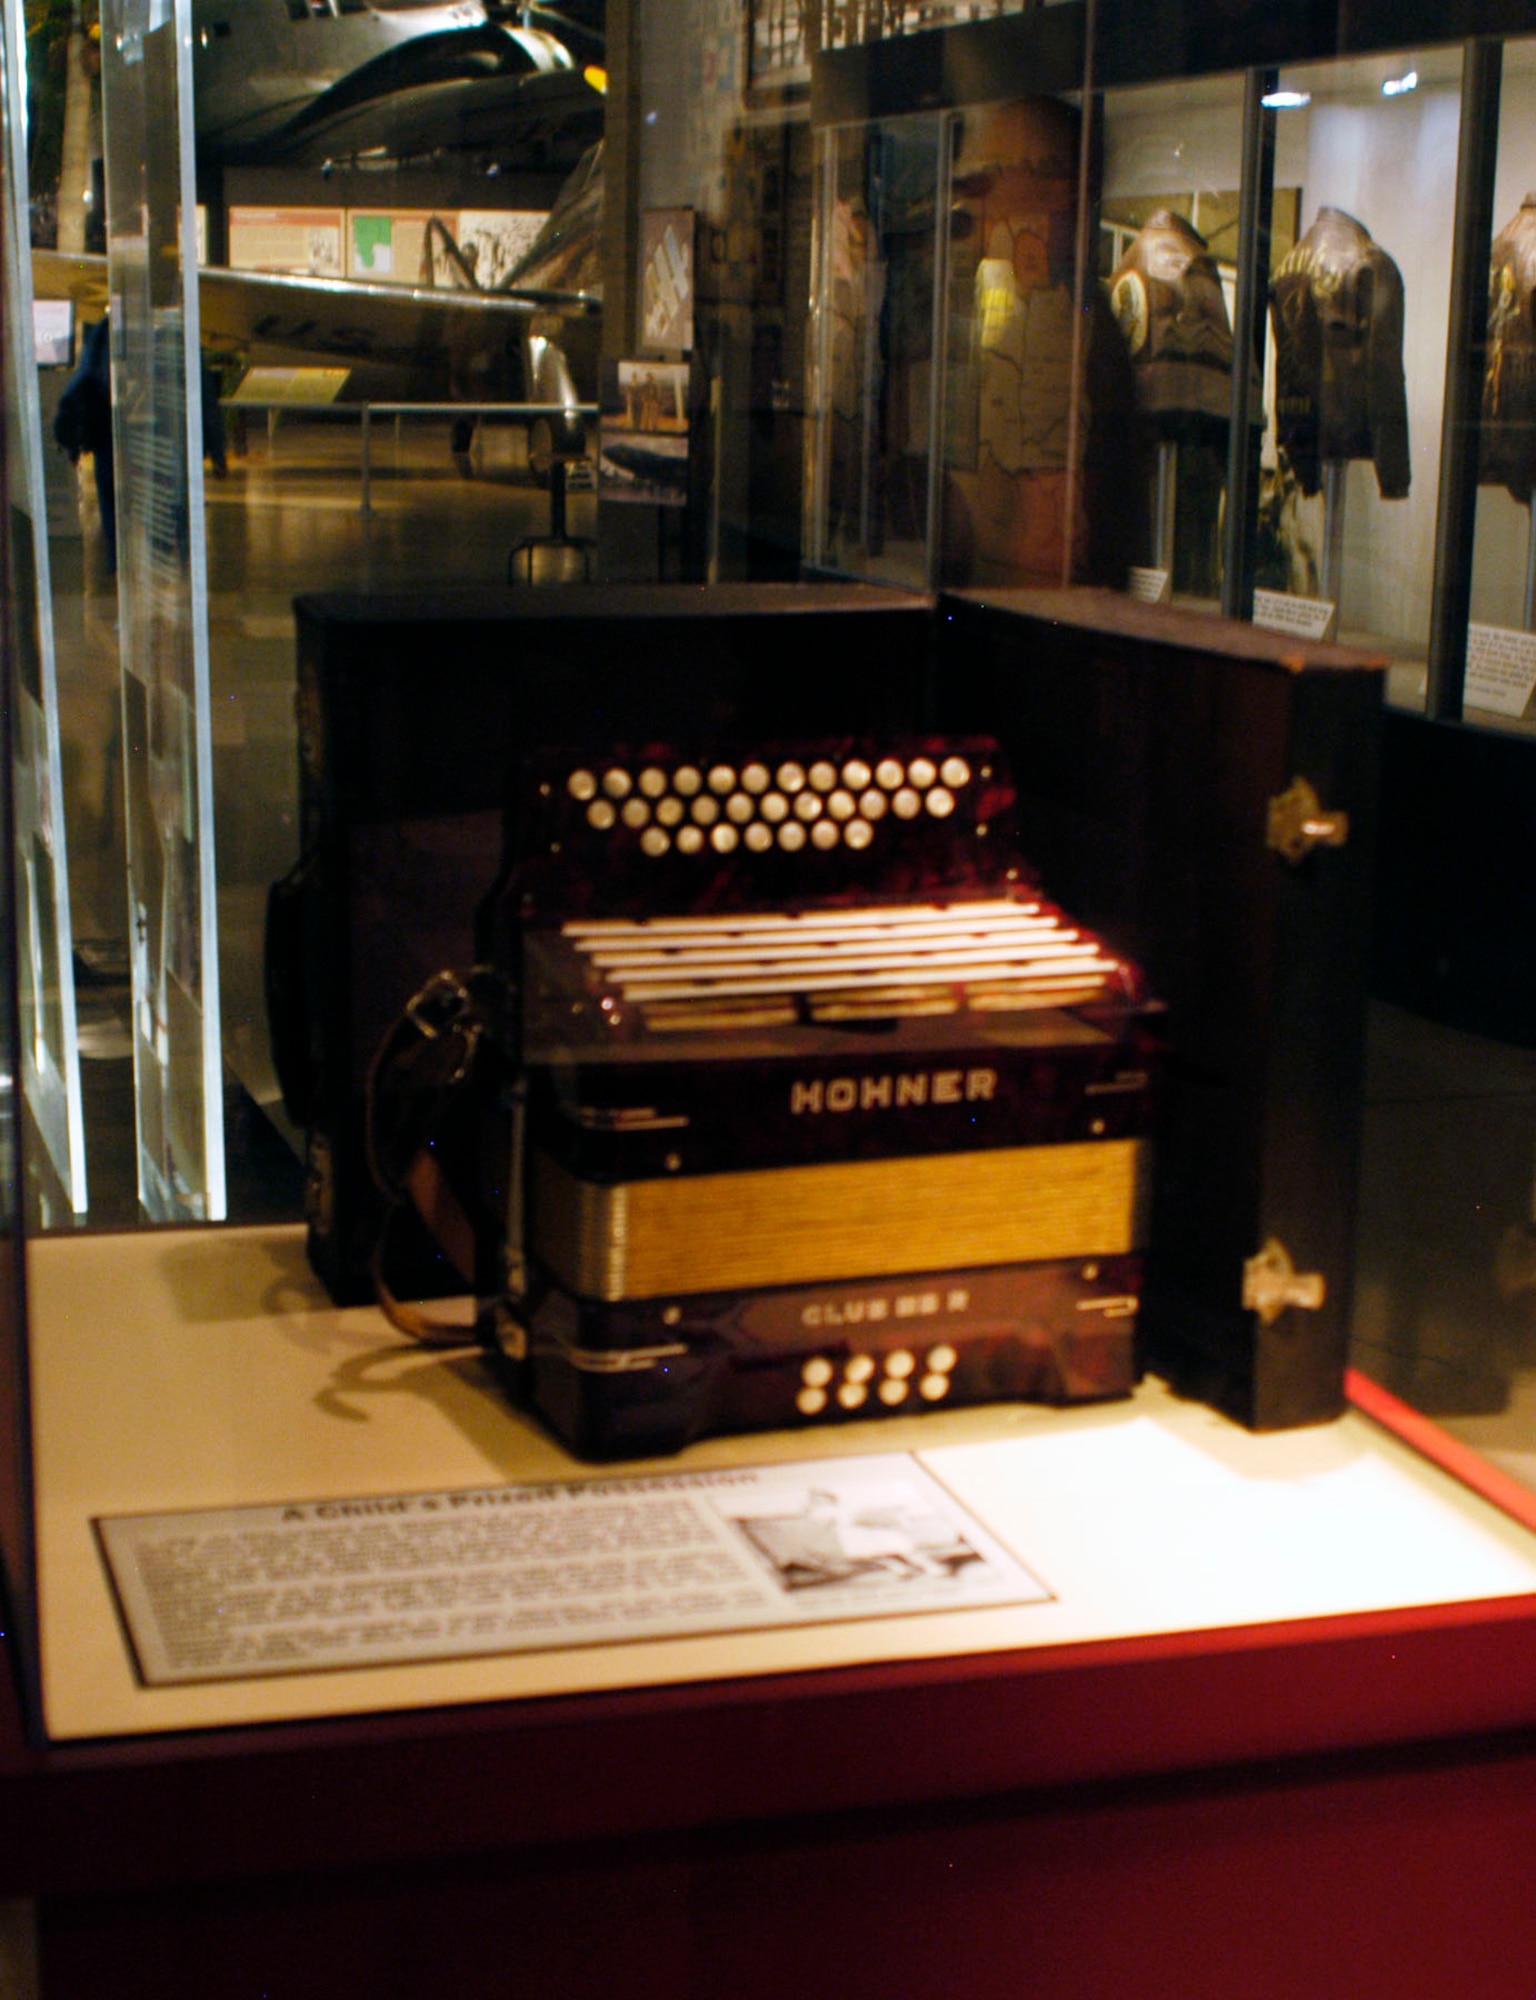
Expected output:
(1501, 669)
(1148, 586)
(245, 1592)
(1300, 617)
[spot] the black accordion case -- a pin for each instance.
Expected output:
(831, 1113)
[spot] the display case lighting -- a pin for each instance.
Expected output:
(1398, 86)
(1285, 100)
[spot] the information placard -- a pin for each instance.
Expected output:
(1303, 617)
(1148, 586)
(1501, 669)
(247, 1592)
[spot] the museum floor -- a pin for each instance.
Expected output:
(1446, 1292)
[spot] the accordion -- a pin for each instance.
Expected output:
(827, 1111)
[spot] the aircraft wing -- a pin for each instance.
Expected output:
(403, 343)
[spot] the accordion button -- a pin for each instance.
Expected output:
(722, 779)
(933, 1388)
(758, 837)
(705, 809)
(653, 782)
(689, 840)
(724, 837)
(807, 806)
(791, 836)
(893, 1392)
(739, 808)
(856, 774)
(817, 1372)
(900, 1364)
(825, 834)
(581, 785)
(654, 842)
(858, 833)
(940, 802)
(889, 774)
(955, 772)
(921, 772)
(811, 1402)
(860, 1367)
(872, 805)
(756, 777)
(823, 776)
(853, 1395)
(841, 805)
(669, 811)
(907, 804)
(601, 815)
(616, 783)
(635, 812)
(686, 781)
(941, 1360)
(774, 808)
(791, 778)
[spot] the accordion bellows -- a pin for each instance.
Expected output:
(830, 1111)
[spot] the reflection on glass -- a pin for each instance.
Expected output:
(1358, 316)
(163, 593)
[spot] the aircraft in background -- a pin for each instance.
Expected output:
(326, 82)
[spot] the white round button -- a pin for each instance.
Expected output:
(907, 804)
(654, 842)
(860, 1367)
(791, 778)
(933, 1388)
(872, 805)
(635, 812)
(841, 805)
(889, 774)
(774, 808)
(601, 815)
(616, 783)
(724, 837)
(807, 806)
(722, 779)
(823, 776)
(755, 778)
(856, 774)
(811, 1402)
(759, 838)
(653, 782)
(921, 772)
(669, 811)
(689, 840)
(941, 1360)
(705, 810)
(940, 803)
(853, 1395)
(816, 1372)
(955, 772)
(900, 1363)
(791, 836)
(686, 781)
(825, 834)
(739, 808)
(892, 1391)
(581, 785)
(858, 833)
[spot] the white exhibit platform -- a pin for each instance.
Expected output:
(202, 1369)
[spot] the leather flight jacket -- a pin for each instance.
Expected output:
(1336, 304)
(1166, 295)
(1508, 453)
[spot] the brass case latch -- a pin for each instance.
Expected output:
(1272, 1284)
(1298, 823)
